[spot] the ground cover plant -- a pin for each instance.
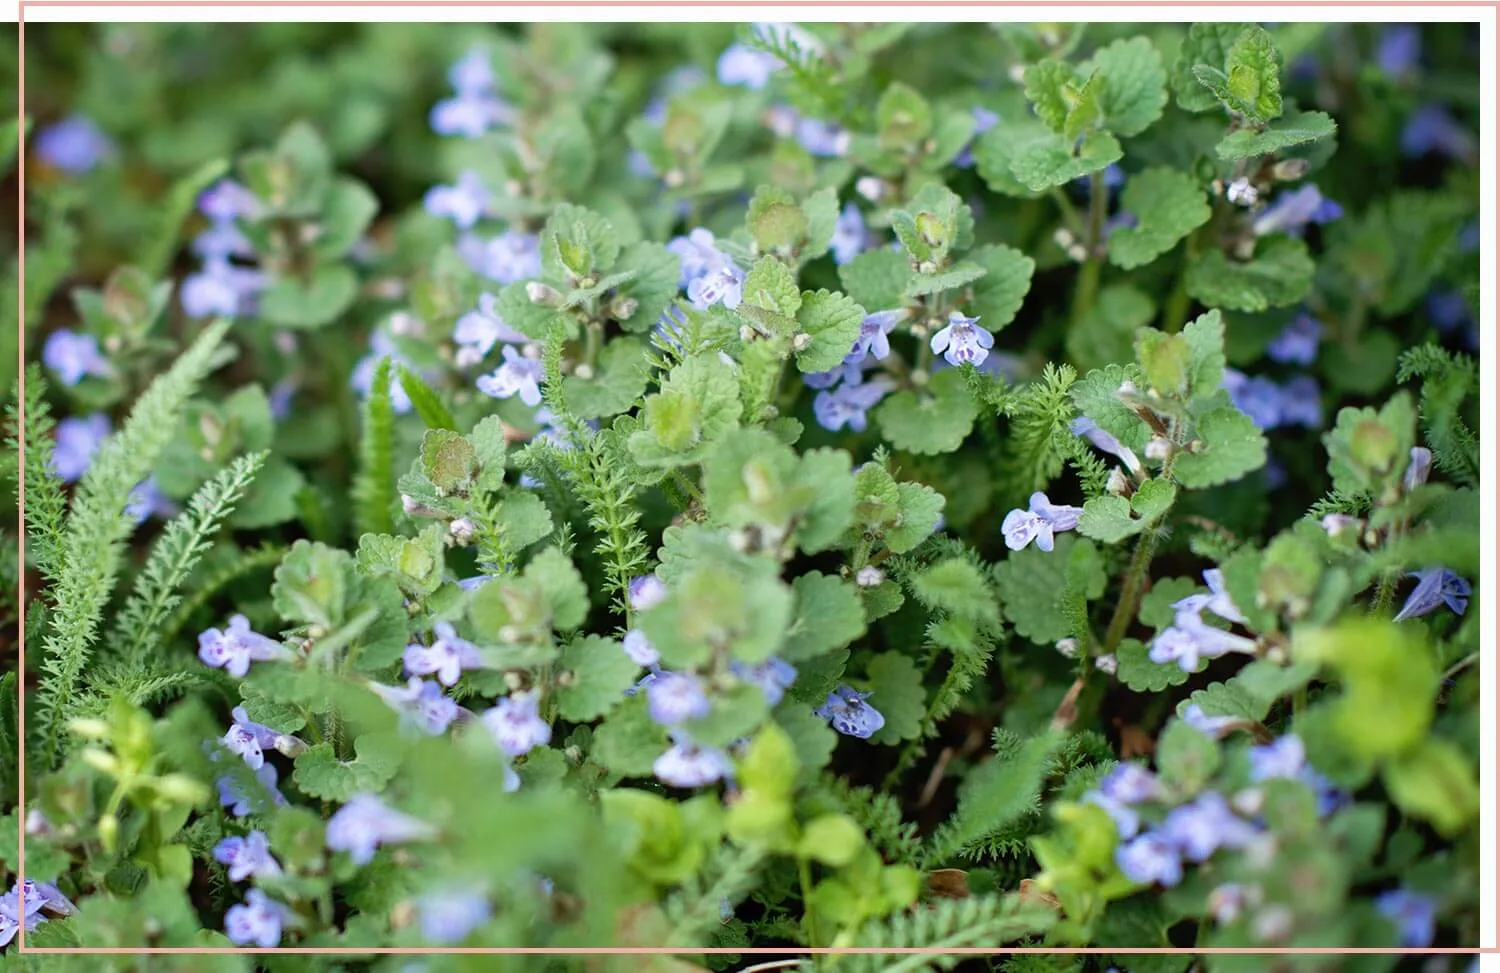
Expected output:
(761, 485)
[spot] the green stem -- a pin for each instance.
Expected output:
(1088, 278)
(804, 877)
(1130, 595)
(1385, 592)
(593, 339)
(1174, 312)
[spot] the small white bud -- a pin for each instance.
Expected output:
(462, 531)
(1067, 648)
(467, 356)
(1107, 664)
(1118, 484)
(1274, 924)
(1078, 253)
(622, 308)
(1159, 448)
(802, 340)
(513, 681)
(404, 323)
(1017, 73)
(584, 371)
(1064, 238)
(869, 576)
(927, 267)
(1336, 524)
(740, 540)
(37, 823)
(1242, 193)
(289, 745)
(673, 178)
(1127, 387)
(872, 188)
(1249, 801)
(543, 295)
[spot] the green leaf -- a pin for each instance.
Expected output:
(1186, 758)
(999, 293)
(619, 380)
(1389, 679)
(1368, 450)
(319, 773)
(629, 741)
(822, 212)
(903, 119)
(1231, 446)
(1286, 133)
(347, 213)
(1137, 671)
(576, 243)
(896, 690)
(1253, 67)
(1279, 274)
(1107, 332)
(310, 584)
(1208, 45)
(1156, 605)
(600, 672)
(291, 303)
(1135, 85)
(1205, 362)
(996, 153)
(523, 519)
(954, 277)
(698, 402)
(920, 507)
(1032, 584)
(1168, 205)
(448, 461)
(833, 839)
(425, 401)
(829, 616)
(1096, 395)
(567, 595)
(532, 320)
(1437, 783)
(1043, 163)
(877, 279)
(654, 286)
(935, 422)
(831, 321)
(775, 221)
(1109, 518)
(1051, 88)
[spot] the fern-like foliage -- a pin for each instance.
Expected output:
(10, 738)
(879, 814)
(693, 908)
(1040, 439)
(812, 82)
(1448, 379)
(177, 551)
(425, 401)
(93, 544)
(999, 793)
(42, 497)
(374, 490)
(244, 564)
(980, 920)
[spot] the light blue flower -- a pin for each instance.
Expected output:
(1258, 397)
(256, 922)
(236, 646)
(516, 724)
(421, 704)
(71, 356)
(222, 289)
(248, 739)
(722, 285)
(1150, 859)
(688, 765)
(1190, 641)
(247, 857)
(851, 235)
(447, 916)
(1291, 212)
(872, 340)
(240, 801)
(1431, 129)
(1213, 726)
(849, 404)
(1039, 522)
(78, 439)
(75, 145)
(774, 677)
(1205, 825)
(646, 591)
(1435, 586)
(447, 657)
(1297, 344)
(847, 712)
(1105, 442)
(1413, 914)
(984, 120)
(963, 341)
(518, 375)
(464, 202)
(1399, 52)
(505, 259)
(365, 823)
(640, 649)
(675, 697)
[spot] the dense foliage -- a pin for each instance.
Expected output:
(712, 485)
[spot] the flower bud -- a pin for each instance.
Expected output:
(1290, 170)
(289, 745)
(1336, 524)
(1242, 193)
(413, 507)
(1420, 468)
(1067, 648)
(1159, 448)
(623, 307)
(543, 295)
(461, 530)
(1118, 484)
(801, 341)
(584, 371)
(1107, 664)
(37, 823)
(1064, 238)
(872, 188)
(869, 576)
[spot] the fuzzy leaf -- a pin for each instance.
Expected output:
(896, 690)
(1137, 671)
(832, 320)
(1279, 274)
(876, 279)
(1032, 584)
(1285, 133)
(1232, 447)
(935, 422)
(1168, 205)
(1135, 85)
(601, 672)
(829, 616)
(319, 773)
(1208, 45)
(999, 293)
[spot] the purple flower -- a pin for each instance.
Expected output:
(1191, 640)
(847, 712)
(249, 739)
(72, 356)
(1227, 901)
(365, 823)
(1450, 311)
(984, 120)
(519, 376)
(1131, 784)
(1291, 212)
(42, 900)
(422, 705)
(851, 236)
(1418, 469)
(1105, 442)
(687, 765)
(1302, 402)
(234, 648)
(222, 289)
(1279, 759)
(1413, 914)
(675, 697)
(962, 341)
(1432, 130)
(77, 442)
(247, 857)
(1297, 344)
(258, 921)
(1213, 726)
(646, 591)
(822, 139)
(872, 340)
(1039, 522)
(1150, 859)
(722, 285)
(848, 404)
(240, 802)
(1400, 49)
(773, 676)
(226, 201)
(640, 649)
(516, 724)
(741, 66)
(147, 500)
(469, 114)
(1435, 586)
(1216, 601)
(472, 73)
(75, 145)
(447, 916)
(1204, 826)
(448, 655)
(464, 202)
(849, 371)
(505, 259)
(1258, 397)
(698, 254)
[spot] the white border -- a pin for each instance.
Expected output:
(1121, 11)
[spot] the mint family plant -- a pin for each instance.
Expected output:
(781, 485)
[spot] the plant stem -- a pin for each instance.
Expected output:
(1088, 278)
(1130, 595)
(804, 877)
(1174, 312)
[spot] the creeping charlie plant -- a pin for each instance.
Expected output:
(693, 485)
